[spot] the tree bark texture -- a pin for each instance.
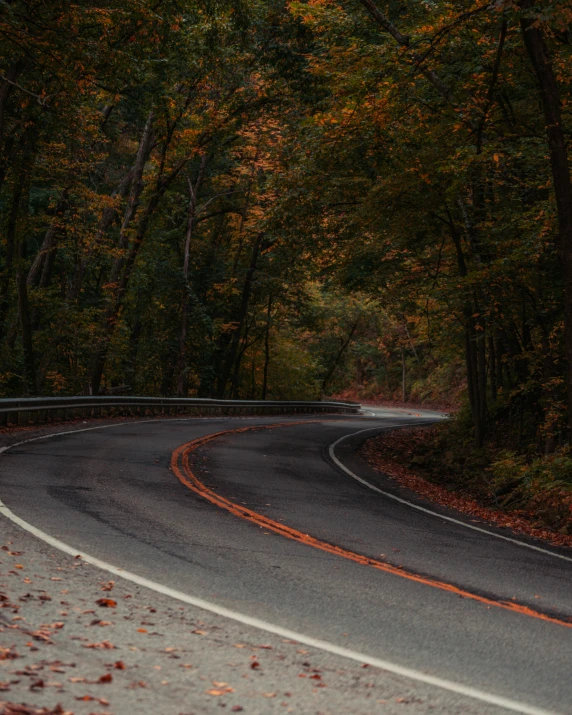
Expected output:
(10, 245)
(118, 294)
(182, 383)
(107, 218)
(537, 50)
(242, 312)
(30, 382)
(267, 348)
(475, 357)
(40, 270)
(344, 346)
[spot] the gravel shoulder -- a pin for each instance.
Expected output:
(145, 653)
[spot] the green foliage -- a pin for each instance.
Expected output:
(547, 472)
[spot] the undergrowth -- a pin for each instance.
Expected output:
(535, 487)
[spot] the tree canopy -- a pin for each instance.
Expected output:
(268, 199)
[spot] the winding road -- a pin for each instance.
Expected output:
(269, 525)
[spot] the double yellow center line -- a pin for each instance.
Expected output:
(182, 469)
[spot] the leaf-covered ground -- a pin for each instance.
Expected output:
(74, 642)
(414, 459)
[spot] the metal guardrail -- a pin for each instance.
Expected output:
(41, 410)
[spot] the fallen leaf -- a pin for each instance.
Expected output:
(41, 636)
(89, 698)
(106, 602)
(119, 665)
(8, 654)
(108, 586)
(107, 678)
(19, 709)
(104, 644)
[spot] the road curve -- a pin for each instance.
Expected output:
(111, 493)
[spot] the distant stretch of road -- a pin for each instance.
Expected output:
(276, 526)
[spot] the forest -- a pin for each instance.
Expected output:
(286, 200)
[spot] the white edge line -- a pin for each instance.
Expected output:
(458, 522)
(278, 630)
(121, 424)
(417, 675)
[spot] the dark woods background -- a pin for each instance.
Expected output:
(263, 199)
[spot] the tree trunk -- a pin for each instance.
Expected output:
(237, 363)
(5, 90)
(30, 383)
(41, 267)
(116, 299)
(242, 312)
(475, 382)
(27, 343)
(105, 222)
(539, 57)
(182, 383)
(492, 367)
(266, 349)
(10, 244)
(341, 351)
(136, 330)
(133, 199)
(403, 376)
